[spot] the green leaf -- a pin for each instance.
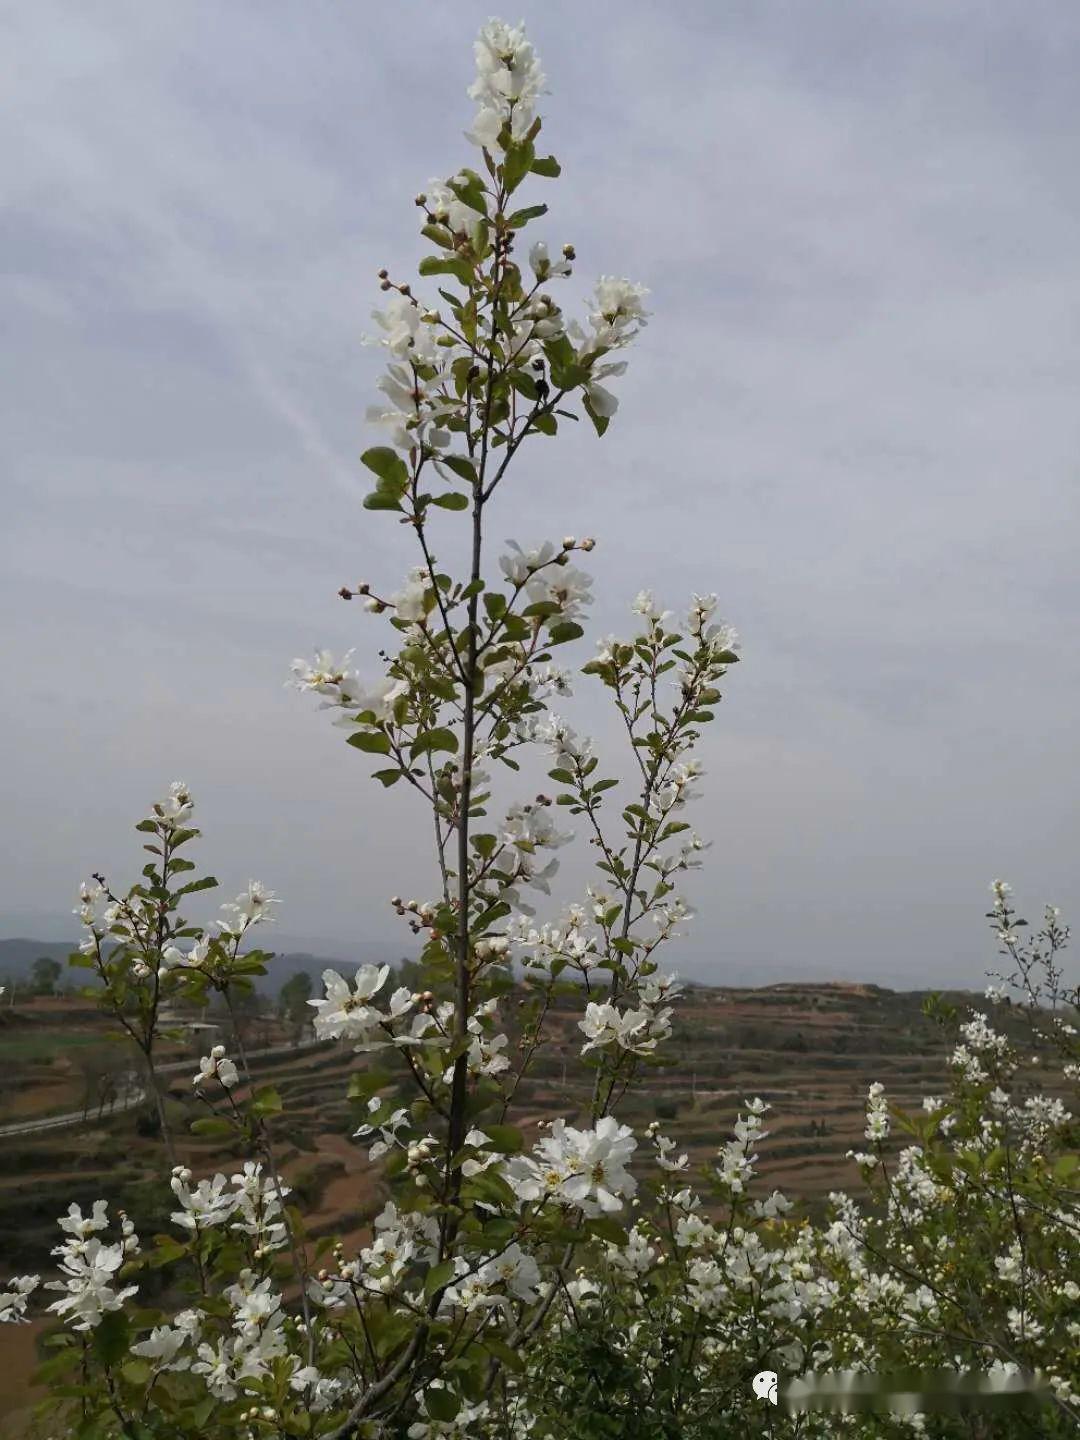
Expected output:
(111, 1337)
(372, 742)
(524, 384)
(546, 165)
(502, 1352)
(437, 739)
(518, 163)
(563, 631)
(267, 1101)
(56, 1365)
(208, 882)
(453, 501)
(604, 1228)
(460, 466)
(212, 1125)
(470, 190)
(388, 465)
(436, 265)
(438, 1277)
(167, 1251)
(439, 234)
(506, 1139)
(387, 777)
(381, 500)
(137, 1371)
(364, 1083)
(600, 422)
(441, 1404)
(522, 217)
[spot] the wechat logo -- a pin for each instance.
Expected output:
(764, 1384)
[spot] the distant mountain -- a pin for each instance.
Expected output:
(17, 957)
(366, 952)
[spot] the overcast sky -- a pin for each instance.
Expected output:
(854, 416)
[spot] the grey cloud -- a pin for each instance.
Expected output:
(853, 415)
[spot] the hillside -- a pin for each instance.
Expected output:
(810, 1050)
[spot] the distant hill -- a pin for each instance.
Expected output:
(17, 957)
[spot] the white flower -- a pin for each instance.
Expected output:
(877, 1113)
(540, 263)
(617, 315)
(251, 907)
(638, 1031)
(217, 1066)
(410, 602)
(507, 85)
(586, 1168)
(343, 1013)
(387, 1129)
(173, 957)
(1023, 1325)
(176, 809)
(404, 333)
(15, 1296)
(485, 1055)
(514, 1269)
(517, 567)
(164, 1345)
(562, 585)
(90, 1268)
(80, 1226)
(208, 1204)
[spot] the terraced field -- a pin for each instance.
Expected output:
(811, 1051)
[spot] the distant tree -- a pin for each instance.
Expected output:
(411, 973)
(247, 1020)
(45, 972)
(293, 998)
(101, 1068)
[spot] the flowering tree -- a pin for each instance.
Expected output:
(519, 1283)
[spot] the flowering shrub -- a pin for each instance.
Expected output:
(579, 1281)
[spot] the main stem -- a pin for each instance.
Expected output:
(458, 1126)
(459, 1084)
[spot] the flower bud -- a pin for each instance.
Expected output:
(384, 274)
(568, 542)
(569, 252)
(421, 199)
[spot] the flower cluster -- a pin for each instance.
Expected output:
(91, 1267)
